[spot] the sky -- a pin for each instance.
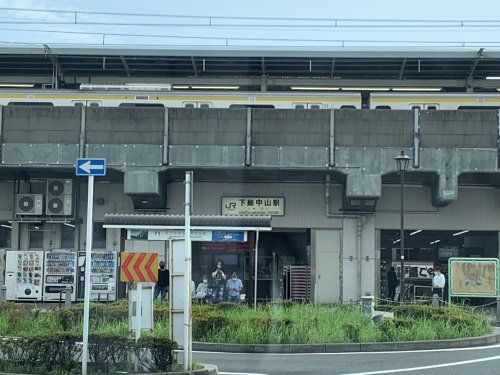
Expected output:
(238, 34)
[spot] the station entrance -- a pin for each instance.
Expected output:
(277, 250)
(425, 249)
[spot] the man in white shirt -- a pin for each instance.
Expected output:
(438, 283)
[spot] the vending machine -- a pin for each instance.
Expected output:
(103, 276)
(59, 271)
(24, 275)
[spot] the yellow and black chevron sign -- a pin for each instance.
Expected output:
(139, 267)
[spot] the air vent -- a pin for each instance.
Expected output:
(29, 204)
(59, 197)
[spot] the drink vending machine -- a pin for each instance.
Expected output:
(103, 275)
(24, 275)
(59, 271)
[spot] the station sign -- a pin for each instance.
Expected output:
(253, 206)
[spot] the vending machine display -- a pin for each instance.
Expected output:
(103, 276)
(60, 271)
(24, 275)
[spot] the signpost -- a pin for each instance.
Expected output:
(139, 268)
(89, 167)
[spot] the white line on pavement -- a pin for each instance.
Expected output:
(428, 367)
(365, 353)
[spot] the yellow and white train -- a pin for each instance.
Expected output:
(181, 99)
(162, 96)
(434, 101)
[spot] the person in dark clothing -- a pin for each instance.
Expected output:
(219, 281)
(161, 286)
(392, 283)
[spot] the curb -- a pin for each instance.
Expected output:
(490, 339)
(207, 370)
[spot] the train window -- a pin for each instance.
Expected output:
(38, 104)
(314, 106)
(347, 107)
(188, 105)
(251, 106)
(383, 107)
(299, 106)
(78, 104)
(140, 105)
(205, 105)
(416, 107)
(431, 107)
(95, 104)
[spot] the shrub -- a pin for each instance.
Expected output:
(160, 356)
(208, 322)
(107, 351)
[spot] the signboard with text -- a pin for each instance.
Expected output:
(474, 277)
(267, 206)
(196, 235)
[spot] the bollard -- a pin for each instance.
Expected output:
(367, 304)
(435, 300)
(3, 293)
(67, 300)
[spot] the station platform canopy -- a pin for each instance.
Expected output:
(245, 66)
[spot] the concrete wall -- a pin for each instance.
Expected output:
(476, 209)
(448, 129)
(41, 124)
(304, 203)
(280, 127)
(207, 127)
(124, 125)
(379, 128)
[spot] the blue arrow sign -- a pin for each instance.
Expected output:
(90, 167)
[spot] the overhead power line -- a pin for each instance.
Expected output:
(330, 22)
(227, 40)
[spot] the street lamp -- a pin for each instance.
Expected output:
(402, 161)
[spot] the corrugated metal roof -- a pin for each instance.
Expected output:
(196, 220)
(275, 62)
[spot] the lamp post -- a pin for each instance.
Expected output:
(402, 161)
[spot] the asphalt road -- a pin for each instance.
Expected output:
(466, 361)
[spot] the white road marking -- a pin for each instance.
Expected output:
(365, 353)
(450, 364)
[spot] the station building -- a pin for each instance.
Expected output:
(327, 176)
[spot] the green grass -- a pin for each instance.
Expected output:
(275, 323)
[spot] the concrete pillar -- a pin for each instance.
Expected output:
(368, 256)
(67, 298)
(15, 233)
(350, 279)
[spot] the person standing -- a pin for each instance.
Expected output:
(438, 283)
(234, 286)
(219, 278)
(392, 283)
(161, 287)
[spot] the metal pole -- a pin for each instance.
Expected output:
(86, 300)
(402, 242)
(187, 274)
(255, 270)
(138, 311)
